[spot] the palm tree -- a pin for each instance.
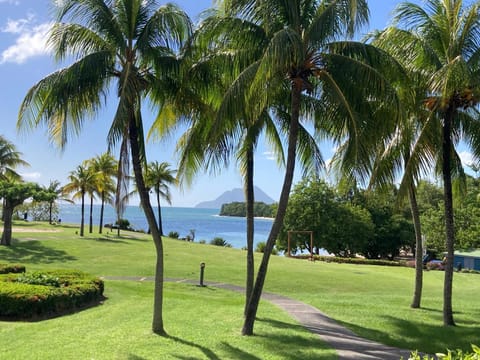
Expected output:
(159, 176)
(55, 192)
(105, 166)
(132, 42)
(302, 57)
(10, 158)
(441, 41)
(81, 180)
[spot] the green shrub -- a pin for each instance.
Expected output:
(347, 260)
(46, 294)
(451, 355)
(218, 241)
(11, 268)
(173, 234)
(260, 247)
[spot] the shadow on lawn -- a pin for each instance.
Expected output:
(206, 351)
(423, 336)
(33, 252)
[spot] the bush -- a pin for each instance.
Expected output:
(47, 294)
(173, 234)
(346, 260)
(124, 224)
(451, 355)
(11, 268)
(261, 248)
(218, 241)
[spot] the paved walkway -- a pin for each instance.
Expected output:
(348, 345)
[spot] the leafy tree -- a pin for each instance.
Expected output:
(54, 192)
(441, 40)
(159, 176)
(132, 42)
(14, 194)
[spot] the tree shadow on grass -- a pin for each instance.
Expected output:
(33, 252)
(294, 347)
(206, 351)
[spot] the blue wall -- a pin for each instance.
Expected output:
(466, 262)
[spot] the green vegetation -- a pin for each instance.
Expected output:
(260, 209)
(371, 300)
(48, 293)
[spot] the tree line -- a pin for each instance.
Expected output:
(395, 106)
(238, 208)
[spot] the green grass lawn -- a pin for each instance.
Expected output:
(205, 322)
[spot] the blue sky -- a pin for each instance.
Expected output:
(24, 60)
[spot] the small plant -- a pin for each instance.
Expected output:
(451, 355)
(37, 278)
(261, 248)
(218, 241)
(203, 241)
(124, 224)
(173, 234)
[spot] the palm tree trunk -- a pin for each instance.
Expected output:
(90, 228)
(449, 224)
(250, 198)
(160, 227)
(82, 222)
(101, 213)
(157, 322)
(417, 294)
(282, 208)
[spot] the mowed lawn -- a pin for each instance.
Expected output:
(205, 322)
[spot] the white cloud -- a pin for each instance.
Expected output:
(466, 157)
(269, 155)
(31, 41)
(31, 176)
(17, 26)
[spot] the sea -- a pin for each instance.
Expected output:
(206, 223)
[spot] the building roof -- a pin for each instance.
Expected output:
(469, 253)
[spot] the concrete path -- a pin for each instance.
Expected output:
(348, 345)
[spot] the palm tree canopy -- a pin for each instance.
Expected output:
(10, 158)
(159, 176)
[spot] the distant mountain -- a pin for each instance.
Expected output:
(232, 196)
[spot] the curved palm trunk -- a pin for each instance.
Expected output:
(90, 228)
(101, 213)
(250, 198)
(449, 224)
(254, 300)
(160, 226)
(417, 294)
(157, 322)
(82, 221)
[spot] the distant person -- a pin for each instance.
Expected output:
(25, 216)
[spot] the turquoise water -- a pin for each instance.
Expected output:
(206, 222)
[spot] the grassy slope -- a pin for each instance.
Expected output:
(373, 301)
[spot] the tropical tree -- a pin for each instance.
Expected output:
(80, 181)
(15, 193)
(441, 41)
(159, 176)
(54, 192)
(132, 42)
(10, 158)
(301, 55)
(105, 166)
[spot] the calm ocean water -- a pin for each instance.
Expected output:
(206, 222)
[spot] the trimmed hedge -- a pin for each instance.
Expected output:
(346, 260)
(11, 268)
(47, 294)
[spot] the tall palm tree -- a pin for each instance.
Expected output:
(55, 192)
(441, 40)
(131, 42)
(105, 166)
(159, 176)
(80, 181)
(302, 57)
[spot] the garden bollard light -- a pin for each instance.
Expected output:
(202, 270)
